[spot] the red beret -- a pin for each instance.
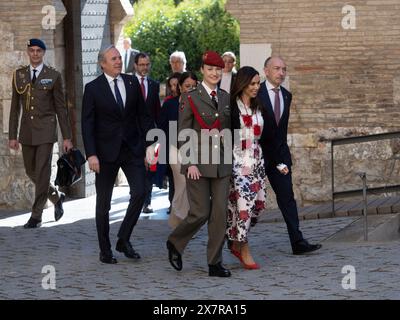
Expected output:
(212, 58)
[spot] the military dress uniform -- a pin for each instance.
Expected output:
(208, 195)
(42, 103)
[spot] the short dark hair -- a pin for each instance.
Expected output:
(185, 75)
(266, 61)
(141, 55)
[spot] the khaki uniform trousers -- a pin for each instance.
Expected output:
(208, 202)
(37, 162)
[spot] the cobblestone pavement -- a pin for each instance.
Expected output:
(70, 246)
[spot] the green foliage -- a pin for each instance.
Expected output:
(160, 27)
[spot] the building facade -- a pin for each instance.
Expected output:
(344, 73)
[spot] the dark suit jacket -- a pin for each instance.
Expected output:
(105, 126)
(131, 64)
(153, 104)
(274, 138)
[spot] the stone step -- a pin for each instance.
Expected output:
(381, 228)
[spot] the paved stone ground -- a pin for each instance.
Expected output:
(70, 246)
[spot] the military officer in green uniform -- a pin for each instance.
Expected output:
(205, 109)
(37, 91)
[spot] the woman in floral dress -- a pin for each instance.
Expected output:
(247, 192)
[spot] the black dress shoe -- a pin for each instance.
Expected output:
(147, 209)
(217, 270)
(127, 249)
(303, 247)
(58, 207)
(32, 223)
(107, 258)
(175, 258)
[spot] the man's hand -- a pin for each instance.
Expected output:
(13, 144)
(283, 169)
(193, 173)
(94, 164)
(67, 145)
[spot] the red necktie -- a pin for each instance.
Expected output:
(143, 88)
(277, 105)
(214, 99)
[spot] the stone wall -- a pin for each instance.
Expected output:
(343, 70)
(16, 191)
(21, 20)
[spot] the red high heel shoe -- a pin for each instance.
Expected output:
(234, 251)
(237, 254)
(253, 266)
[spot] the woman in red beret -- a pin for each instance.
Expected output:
(206, 112)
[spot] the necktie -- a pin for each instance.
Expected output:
(277, 105)
(214, 99)
(142, 87)
(34, 76)
(118, 95)
(126, 60)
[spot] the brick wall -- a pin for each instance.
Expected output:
(344, 81)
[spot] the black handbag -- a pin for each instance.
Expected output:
(69, 168)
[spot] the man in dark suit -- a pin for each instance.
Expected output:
(151, 93)
(276, 99)
(128, 56)
(38, 92)
(114, 127)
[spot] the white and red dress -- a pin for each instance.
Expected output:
(247, 195)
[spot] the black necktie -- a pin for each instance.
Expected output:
(118, 94)
(214, 99)
(34, 76)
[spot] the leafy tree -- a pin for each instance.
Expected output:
(160, 27)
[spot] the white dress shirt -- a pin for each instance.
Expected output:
(226, 81)
(146, 83)
(120, 84)
(271, 94)
(209, 90)
(39, 69)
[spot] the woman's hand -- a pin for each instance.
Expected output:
(193, 173)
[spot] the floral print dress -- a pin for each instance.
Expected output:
(247, 195)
